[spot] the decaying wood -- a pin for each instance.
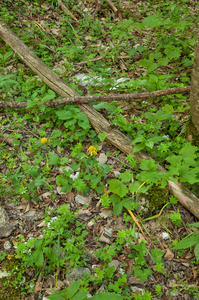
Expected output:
(99, 123)
(101, 98)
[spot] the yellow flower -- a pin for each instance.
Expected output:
(92, 150)
(10, 257)
(45, 140)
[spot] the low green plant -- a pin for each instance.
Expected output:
(74, 292)
(190, 240)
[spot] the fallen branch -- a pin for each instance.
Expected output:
(101, 98)
(99, 123)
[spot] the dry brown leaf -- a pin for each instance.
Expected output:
(70, 196)
(168, 255)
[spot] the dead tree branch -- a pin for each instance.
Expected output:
(101, 98)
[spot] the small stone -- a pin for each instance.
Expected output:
(29, 214)
(7, 245)
(116, 173)
(83, 200)
(165, 236)
(102, 158)
(5, 227)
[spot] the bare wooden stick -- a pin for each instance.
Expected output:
(110, 3)
(66, 10)
(101, 98)
(99, 123)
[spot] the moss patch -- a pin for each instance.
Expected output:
(153, 200)
(10, 290)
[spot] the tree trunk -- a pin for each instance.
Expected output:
(194, 97)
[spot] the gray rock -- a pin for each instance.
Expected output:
(5, 227)
(7, 245)
(76, 274)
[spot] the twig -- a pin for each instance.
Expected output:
(101, 98)
(66, 10)
(90, 60)
(110, 3)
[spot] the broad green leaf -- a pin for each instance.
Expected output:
(187, 242)
(54, 160)
(81, 295)
(115, 198)
(121, 120)
(168, 109)
(51, 254)
(139, 139)
(39, 258)
(163, 61)
(58, 296)
(150, 117)
(148, 165)
(196, 251)
(117, 208)
(134, 186)
(138, 147)
(83, 121)
(126, 176)
(66, 114)
(149, 144)
(72, 289)
(39, 181)
(117, 187)
(143, 274)
(129, 204)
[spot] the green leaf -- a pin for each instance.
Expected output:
(196, 251)
(66, 114)
(138, 139)
(39, 258)
(51, 254)
(138, 147)
(83, 121)
(168, 109)
(121, 120)
(73, 288)
(149, 144)
(129, 204)
(187, 242)
(115, 198)
(150, 117)
(39, 181)
(148, 165)
(117, 208)
(81, 295)
(117, 187)
(134, 186)
(126, 176)
(54, 160)
(163, 61)
(58, 296)
(143, 274)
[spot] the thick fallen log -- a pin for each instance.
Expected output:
(101, 98)
(99, 123)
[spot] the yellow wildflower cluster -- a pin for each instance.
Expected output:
(92, 150)
(11, 256)
(45, 140)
